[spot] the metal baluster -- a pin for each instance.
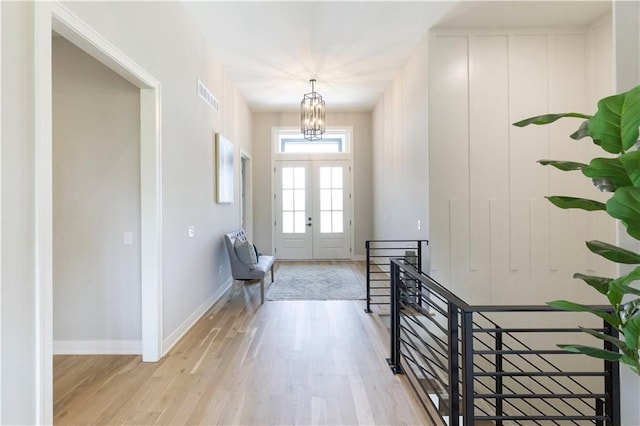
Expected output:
(499, 369)
(454, 376)
(394, 361)
(368, 248)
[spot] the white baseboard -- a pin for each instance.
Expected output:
(97, 347)
(182, 329)
(358, 257)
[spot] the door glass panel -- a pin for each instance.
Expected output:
(299, 200)
(298, 177)
(287, 200)
(325, 177)
(287, 177)
(336, 199)
(331, 195)
(336, 177)
(325, 199)
(287, 222)
(293, 200)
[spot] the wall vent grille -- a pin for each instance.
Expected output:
(208, 97)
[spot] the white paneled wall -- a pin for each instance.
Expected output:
(494, 238)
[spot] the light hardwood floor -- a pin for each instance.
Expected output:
(283, 363)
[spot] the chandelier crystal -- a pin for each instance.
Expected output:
(312, 115)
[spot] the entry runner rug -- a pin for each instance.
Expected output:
(317, 281)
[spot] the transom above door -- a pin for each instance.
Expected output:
(312, 209)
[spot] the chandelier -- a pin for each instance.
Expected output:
(312, 115)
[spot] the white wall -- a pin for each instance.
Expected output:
(400, 153)
(96, 199)
(162, 38)
(18, 216)
(263, 123)
(494, 238)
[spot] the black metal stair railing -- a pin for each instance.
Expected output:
(379, 253)
(468, 369)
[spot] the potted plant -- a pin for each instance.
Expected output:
(614, 128)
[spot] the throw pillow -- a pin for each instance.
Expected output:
(257, 252)
(246, 252)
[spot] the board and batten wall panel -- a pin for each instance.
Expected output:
(449, 166)
(494, 238)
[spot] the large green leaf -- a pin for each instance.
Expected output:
(631, 331)
(592, 352)
(565, 166)
(576, 203)
(613, 253)
(631, 163)
(618, 287)
(548, 118)
(582, 132)
(601, 284)
(615, 126)
(625, 205)
(599, 335)
(608, 168)
(630, 308)
(576, 307)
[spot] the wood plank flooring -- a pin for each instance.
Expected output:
(283, 363)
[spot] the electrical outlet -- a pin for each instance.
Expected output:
(191, 231)
(419, 225)
(128, 238)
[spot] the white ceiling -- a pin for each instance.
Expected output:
(353, 48)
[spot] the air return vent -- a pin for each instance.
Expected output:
(208, 97)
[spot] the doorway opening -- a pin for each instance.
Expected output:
(245, 193)
(49, 17)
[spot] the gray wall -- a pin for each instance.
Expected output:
(263, 123)
(162, 38)
(96, 198)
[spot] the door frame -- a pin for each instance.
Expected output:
(246, 190)
(53, 16)
(277, 156)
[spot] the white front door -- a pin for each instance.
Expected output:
(312, 205)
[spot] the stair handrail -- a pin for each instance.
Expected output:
(463, 331)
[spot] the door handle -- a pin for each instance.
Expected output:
(308, 221)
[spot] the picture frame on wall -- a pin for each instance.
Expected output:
(224, 170)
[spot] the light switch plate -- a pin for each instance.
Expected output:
(191, 231)
(128, 238)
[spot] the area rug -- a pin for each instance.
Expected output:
(316, 281)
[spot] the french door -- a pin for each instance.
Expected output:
(312, 206)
